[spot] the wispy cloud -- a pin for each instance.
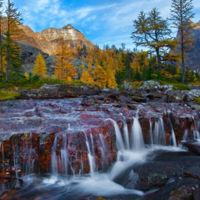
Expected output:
(102, 21)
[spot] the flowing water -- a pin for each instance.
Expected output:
(131, 150)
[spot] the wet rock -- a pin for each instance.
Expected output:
(87, 102)
(125, 99)
(183, 96)
(57, 91)
(150, 84)
(193, 147)
(184, 189)
(154, 175)
(138, 99)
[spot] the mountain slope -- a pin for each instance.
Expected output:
(193, 55)
(48, 40)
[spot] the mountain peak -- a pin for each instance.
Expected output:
(69, 26)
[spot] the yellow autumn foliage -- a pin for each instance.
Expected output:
(40, 66)
(86, 78)
(64, 69)
(26, 75)
(111, 79)
(100, 76)
(4, 64)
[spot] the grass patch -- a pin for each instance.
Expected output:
(197, 100)
(181, 86)
(136, 84)
(32, 82)
(76, 83)
(8, 95)
(194, 83)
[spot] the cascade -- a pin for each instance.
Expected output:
(137, 136)
(185, 135)
(159, 133)
(126, 135)
(91, 158)
(103, 152)
(196, 133)
(173, 137)
(119, 140)
(93, 147)
(59, 163)
(151, 132)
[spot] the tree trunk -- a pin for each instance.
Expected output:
(182, 57)
(158, 58)
(8, 65)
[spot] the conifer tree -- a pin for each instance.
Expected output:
(12, 33)
(111, 79)
(100, 76)
(64, 69)
(152, 31)
(86, 78)
(181, 14)
(40, 66)
(1, 46)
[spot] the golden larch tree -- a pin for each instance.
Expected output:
(86, 78)
(40, 66)
(64, 69)
(111, 79)
(100, 76)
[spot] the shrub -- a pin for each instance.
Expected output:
(8, 95)
(181, 87)
(197, 100)
(136, 84)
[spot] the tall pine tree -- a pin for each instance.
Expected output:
(1, 38)
(181, 14)
(12, 33)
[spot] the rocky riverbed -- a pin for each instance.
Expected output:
(130, 144)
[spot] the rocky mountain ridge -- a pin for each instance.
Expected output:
(48, 40)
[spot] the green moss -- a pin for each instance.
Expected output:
(181, 87)
(100, 198)
(154, 176)
(197, 100)
(136, 84)
(8, 95)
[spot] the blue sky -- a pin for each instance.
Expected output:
(101, 21)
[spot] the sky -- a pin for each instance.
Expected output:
(101, 21)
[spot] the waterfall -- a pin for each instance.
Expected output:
(91, 158)
(103, 151)
(126, 135)
(196, 133)
(159, 133)
(137, 136)
(54, 162)
(62, 160)
(119, 140)
(151, 132)
(185, 134)
(173, 137)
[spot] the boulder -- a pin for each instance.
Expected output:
(150, 84)
(57, 91)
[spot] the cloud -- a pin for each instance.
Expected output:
(102, 23)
